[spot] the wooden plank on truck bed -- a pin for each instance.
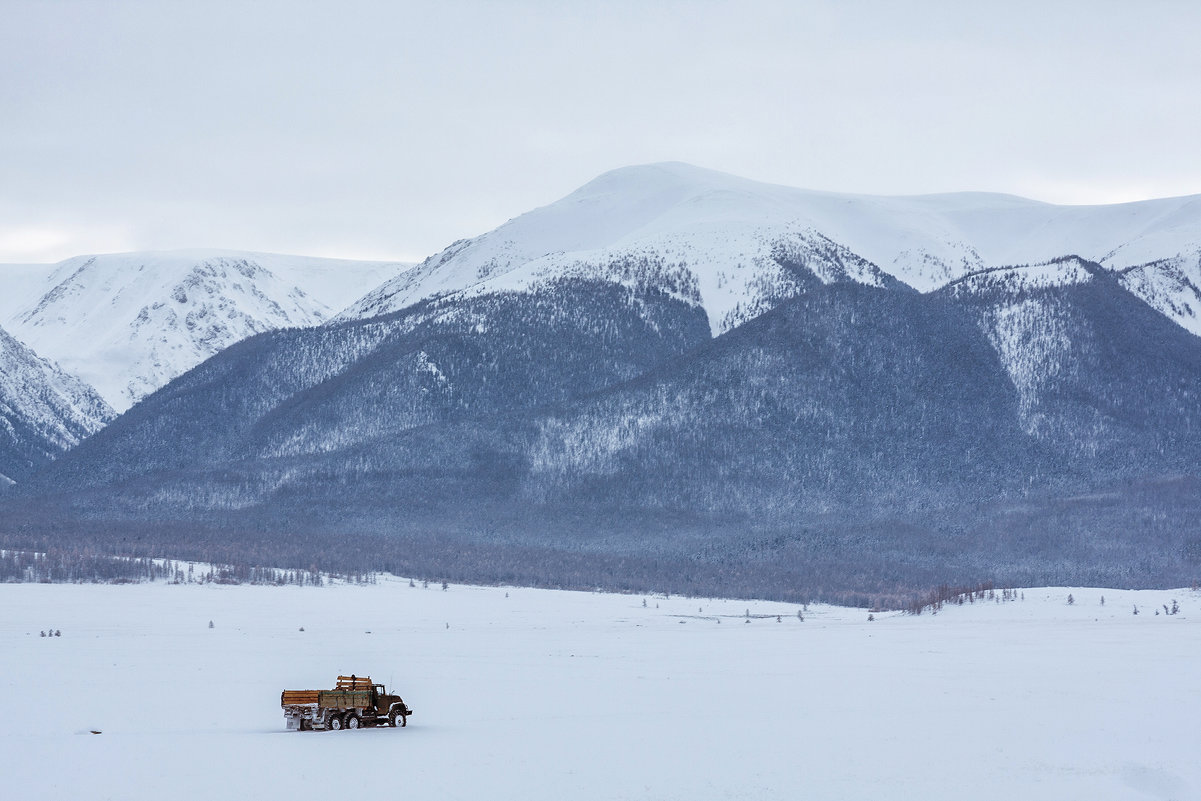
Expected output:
(291, 697)
(354, 682)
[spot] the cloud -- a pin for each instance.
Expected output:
(393, 129)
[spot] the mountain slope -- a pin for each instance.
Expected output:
(1172, 286)
(43, 410)
(299, 393)
(128, 323)
(724, 234)
(1101, 376)
(22, 284)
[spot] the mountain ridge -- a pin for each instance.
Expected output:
(921, 240)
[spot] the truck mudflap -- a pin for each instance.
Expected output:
(303, 717)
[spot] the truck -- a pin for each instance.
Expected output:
(355, 702)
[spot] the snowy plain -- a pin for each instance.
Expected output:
(539, 694)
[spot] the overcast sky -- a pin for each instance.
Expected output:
(390, 129)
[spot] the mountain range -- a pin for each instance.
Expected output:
(678, 379)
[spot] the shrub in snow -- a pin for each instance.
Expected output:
(1071, 600)
(210, 624)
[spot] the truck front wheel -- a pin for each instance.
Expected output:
(393, 717)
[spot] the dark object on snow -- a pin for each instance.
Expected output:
(353, 704)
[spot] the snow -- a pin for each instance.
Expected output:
(534, 694)
(723, 229)
(20, 285)
(128, 323)
(1173, 286)
(56, 407)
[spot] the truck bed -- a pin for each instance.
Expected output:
(344, 699)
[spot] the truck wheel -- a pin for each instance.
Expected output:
(352, 721)
(392, 718)
(334, 723)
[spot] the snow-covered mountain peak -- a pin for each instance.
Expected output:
(128, 323)
(723, 230)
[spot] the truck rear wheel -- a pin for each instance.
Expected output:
(352, 720)
(334, 723)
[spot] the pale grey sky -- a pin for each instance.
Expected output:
(390, 129)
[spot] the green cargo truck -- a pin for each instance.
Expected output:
(354, 703)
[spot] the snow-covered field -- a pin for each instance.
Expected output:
(533, 694)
